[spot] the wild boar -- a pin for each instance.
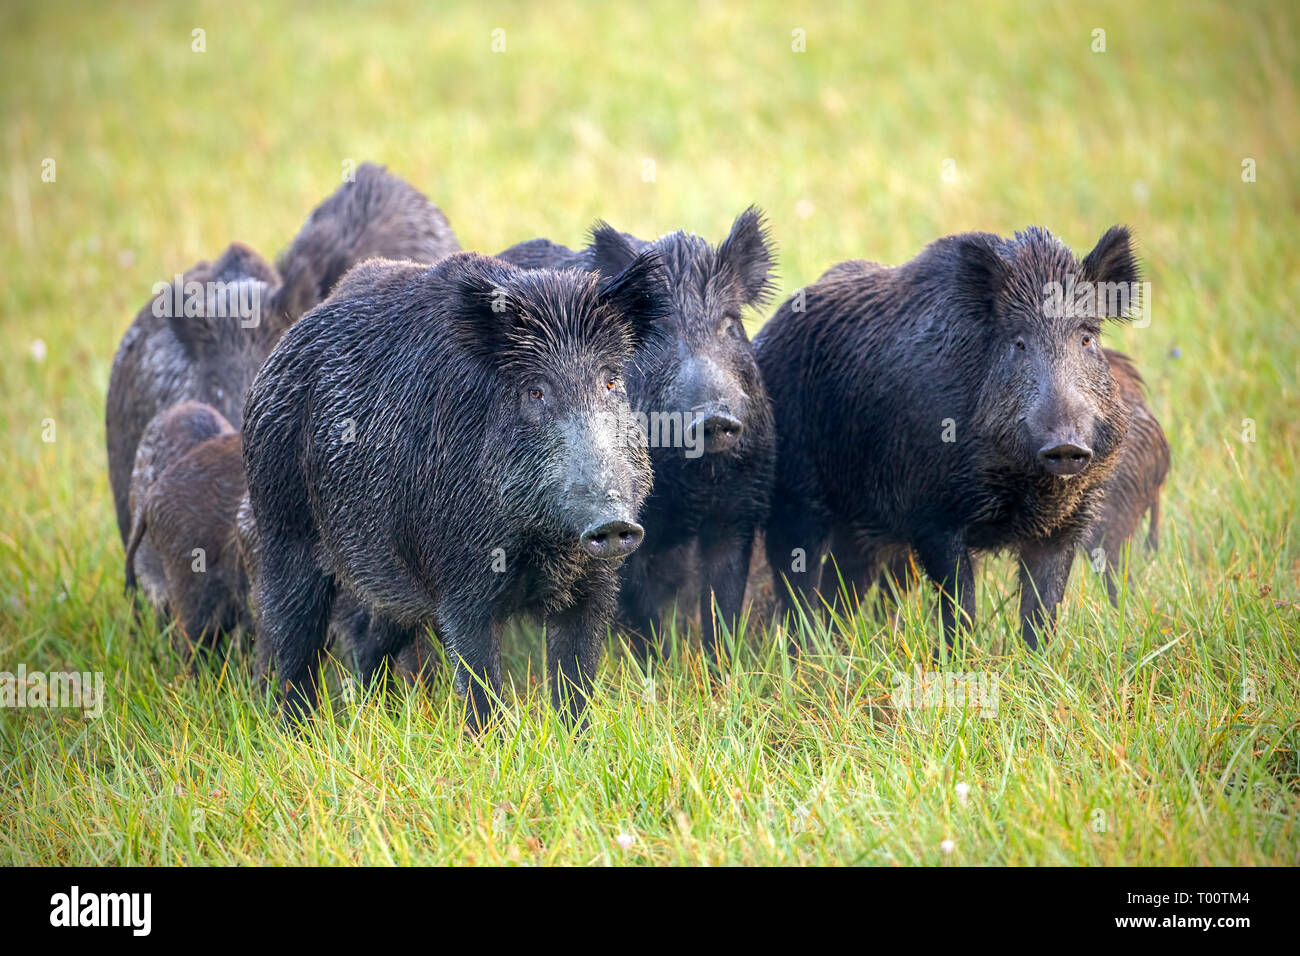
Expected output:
(700, 397)
(451, 444)
(954, 405)
(184, 498)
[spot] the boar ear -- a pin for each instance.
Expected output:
(981, 272)
(284, 307)
(197, 334)
(482, 308)
(611, 252)
(640, 294)
(207, 323)
(747, 252)
(1112, 261)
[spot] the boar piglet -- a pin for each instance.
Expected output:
(699, 395)
(186, 487)
(953, 405)
(1134, 489)
(451, 444)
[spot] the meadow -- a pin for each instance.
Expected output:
(1166, 731)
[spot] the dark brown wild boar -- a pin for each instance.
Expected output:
(187, 514)
(950, 406)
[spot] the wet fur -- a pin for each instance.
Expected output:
(441, 474)
(862, 382)
(701, 518)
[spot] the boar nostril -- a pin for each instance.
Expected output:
(721, 432)
(1064, 459)
(723, 423)
(612, 539)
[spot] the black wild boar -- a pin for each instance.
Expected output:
(1134, 489)
(1131, 492)
(451, 444)
(947, 407)
(205, 337)
(709, 420)
(184, 497)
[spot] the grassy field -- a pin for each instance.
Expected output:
(1166, 732)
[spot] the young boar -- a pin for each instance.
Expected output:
(184, 497)
(709, 420)
(168, 436)
(952, 405)
(451, 445)
(1134, 489)
(199, 340)
(205, 337)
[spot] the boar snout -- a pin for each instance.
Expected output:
(1064, 459)
(716, 428)
(1064, 422)
(716, 401)
(607, 540)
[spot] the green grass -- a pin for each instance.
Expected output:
(1164, 733)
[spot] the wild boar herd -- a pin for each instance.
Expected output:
(384, 438)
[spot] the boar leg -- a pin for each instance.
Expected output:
(417, 662)
(639, 612)
(897, 575)
(947, 562)
(474, 642)
(847, 574)
(1044, 573)
(1116, 570)
(1110, 537)
(724, 571)
(794, 551)
(381, 642)
(295, 604)
(573, 640)
(261, 657)
(198, 610)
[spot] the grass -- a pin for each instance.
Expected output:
(1163, 733)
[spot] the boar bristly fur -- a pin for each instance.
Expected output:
(947, 407)
(448, 444)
